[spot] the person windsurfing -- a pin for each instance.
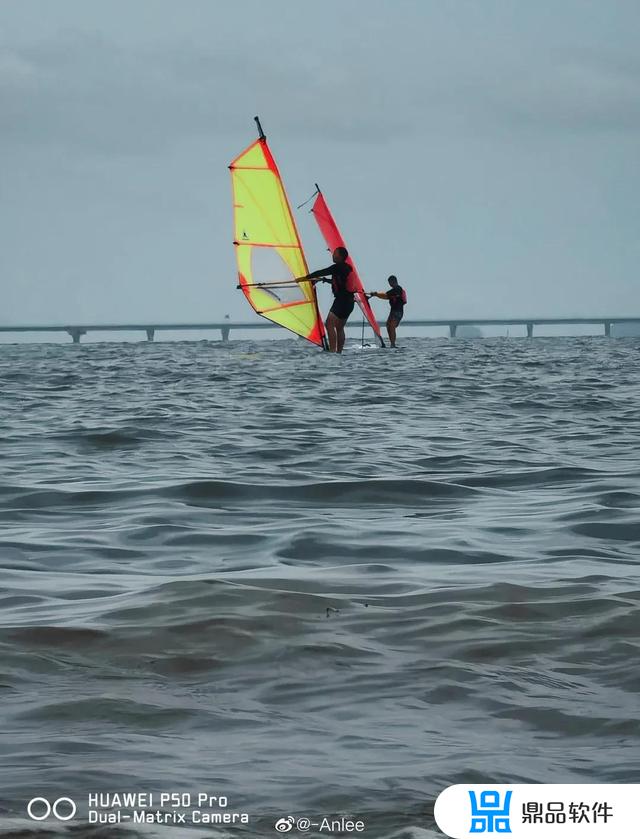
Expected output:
(397, 298)
(344, 288)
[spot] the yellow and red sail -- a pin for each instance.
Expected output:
(333, 238)
(267, 245)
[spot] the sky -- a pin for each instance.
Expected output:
(484, 152)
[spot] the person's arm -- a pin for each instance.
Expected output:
(321, 274)
(383, 295)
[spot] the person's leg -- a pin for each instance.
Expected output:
(391, 330)
(340, 333)
(331, 324)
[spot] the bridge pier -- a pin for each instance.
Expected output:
(529, 330)
(453, 328)
(150, 334)
(225, 330)
(607, 328)
(76, 333)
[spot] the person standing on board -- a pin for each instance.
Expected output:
(397, 298)
(342, 285)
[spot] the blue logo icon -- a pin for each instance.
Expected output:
(488, 816)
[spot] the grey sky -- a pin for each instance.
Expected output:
(485, 152)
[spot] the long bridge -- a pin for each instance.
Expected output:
(76, 331)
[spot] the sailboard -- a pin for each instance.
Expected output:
(268, 250)
(333, 238)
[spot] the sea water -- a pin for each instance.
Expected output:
(314, 586)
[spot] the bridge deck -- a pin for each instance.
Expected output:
(226, 326)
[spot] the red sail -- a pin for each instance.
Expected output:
(332, 237)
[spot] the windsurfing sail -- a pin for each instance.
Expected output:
(333, 238)
(268, 250)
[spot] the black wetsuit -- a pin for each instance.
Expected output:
(344, 299)
(396, 299)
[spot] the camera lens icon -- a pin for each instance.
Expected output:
(285, 825)
(40, 809)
